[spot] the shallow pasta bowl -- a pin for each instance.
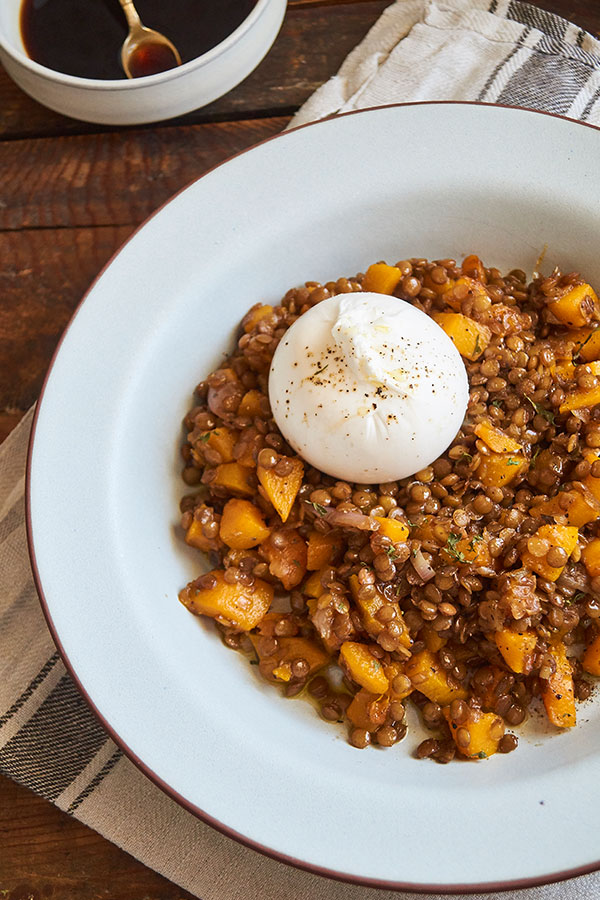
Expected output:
(103, 489)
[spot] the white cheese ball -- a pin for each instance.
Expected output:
(367, 388)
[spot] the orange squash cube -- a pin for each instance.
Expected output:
(428, 677)
(220, 439)
(470, 337)
(323, 549)
(252, 403)
(256, 315)
(364, 668)
(236, 478)
(313, 586)
(576, 307)
(517, 649)
(381, 278)
(277, 667)
(563, 536)
(591, 657)
(583, 399)
(591, 557)
(496, 439)
(235, 605)
(397, 531)
(479, 736)
(368, 710)
(242, 525)
(500, 469)
(282, 489)
(370, 606)
(558, 695)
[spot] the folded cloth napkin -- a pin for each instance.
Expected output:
(493, 50)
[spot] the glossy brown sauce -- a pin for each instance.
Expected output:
(84, 37)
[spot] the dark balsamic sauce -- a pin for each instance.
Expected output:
(84, 37)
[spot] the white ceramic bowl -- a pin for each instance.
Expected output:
(153, 97)
(104, 484)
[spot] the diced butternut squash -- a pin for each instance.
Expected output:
(222, 440)
(282, 489)
(397, 531)
(364, 668)
(368, 710)
(558, 695)
(236, 478)
(195, 537)
(369, 607)
(313, 586)
(500, 469)
(428, 677)
(473, 551)
(277, 666)
(252, 404)
(288, 561)
(256, 315)
(517, 649)
(470, 337)
(323, 549)
(560, 536)
(591, 657)
(381, 278)
(433, 640)
(438, 289)
(591, 557)
(497, 440)
(563, 372)
(397, 691)
(570, 508)
(474, 268)
(479, 736)
(576, 307)
(583, 399)
(587, 343)
(242, 525)
(237, 606)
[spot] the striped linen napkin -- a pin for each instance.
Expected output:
(499, 51)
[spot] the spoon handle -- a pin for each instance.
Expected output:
(130, 13)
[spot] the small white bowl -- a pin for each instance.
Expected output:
(153, 97)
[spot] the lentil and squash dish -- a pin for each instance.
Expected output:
(471, 588)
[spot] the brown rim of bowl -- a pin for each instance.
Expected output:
(452, 889)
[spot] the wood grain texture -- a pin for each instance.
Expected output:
(42, 278)
(312, 44)
(47, 855)
(115, 178)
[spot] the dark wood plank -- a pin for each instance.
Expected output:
(311, 45)
(47, 854)
(113, 178)
(41, 282)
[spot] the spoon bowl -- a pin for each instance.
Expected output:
(145, 51)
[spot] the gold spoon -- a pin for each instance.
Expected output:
(145, 51)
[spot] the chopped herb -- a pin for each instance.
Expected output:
(475, 540)
(318, 371)
(579, 596)
(482, 755)
(411, 524)
(465, 455)
(497, 403)
(581, 346)
(414, 552)
(512, 462)
(453, 540)
(321, 510)
(477, 347)
(391, 552)
(549, 416)
(535, 456)
(205, 437)
(296, 563)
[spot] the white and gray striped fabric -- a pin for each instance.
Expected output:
(499, 51)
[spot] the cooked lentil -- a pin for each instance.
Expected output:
(460, 588)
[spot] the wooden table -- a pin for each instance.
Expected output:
(70, 193)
